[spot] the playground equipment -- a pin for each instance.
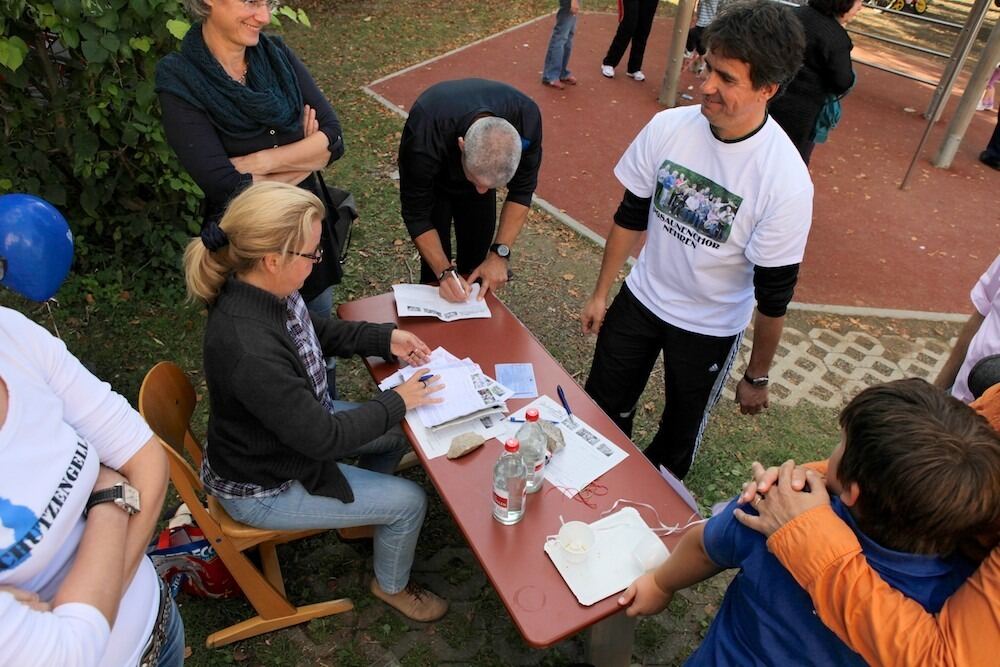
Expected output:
(914, 6)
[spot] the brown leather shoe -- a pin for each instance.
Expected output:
(413, 602)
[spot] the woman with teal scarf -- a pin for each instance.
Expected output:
(240, 108)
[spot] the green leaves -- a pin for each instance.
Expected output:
(178, 27)
(82, 125)
(143, 44)
(12, 52)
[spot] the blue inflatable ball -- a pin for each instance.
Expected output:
(36, 246)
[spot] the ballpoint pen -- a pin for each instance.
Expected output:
(565, 403)
(454, 274)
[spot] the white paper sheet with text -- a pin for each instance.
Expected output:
(587, 454)
(424, 301)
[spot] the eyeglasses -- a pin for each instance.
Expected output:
(272, 5)
(316, 256)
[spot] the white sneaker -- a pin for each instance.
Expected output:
(608, 71)
(638, 76)
(688, 54)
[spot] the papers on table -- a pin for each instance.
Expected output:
(587, 454)
(468, 392)
(435, 442)
(424, 301)
(519, 377)
(475, 402)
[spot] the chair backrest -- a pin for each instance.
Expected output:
(167, 401)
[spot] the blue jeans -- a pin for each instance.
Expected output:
(172, 651)
(395, 506)
(560, 44)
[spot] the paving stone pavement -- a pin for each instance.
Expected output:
(828, 368)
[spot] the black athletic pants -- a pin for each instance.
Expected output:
(695, 365)
(475, 217)
(636, 22)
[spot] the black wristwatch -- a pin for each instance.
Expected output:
(756, 382)
(448, 269)
(121, 494)
(501, 249)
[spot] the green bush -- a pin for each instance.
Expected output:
(82, 129)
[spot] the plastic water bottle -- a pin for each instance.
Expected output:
(509, 484)
(534, 450)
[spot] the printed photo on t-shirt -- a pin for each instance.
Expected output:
(697, 202)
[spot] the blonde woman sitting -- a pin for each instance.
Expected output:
(276, 441)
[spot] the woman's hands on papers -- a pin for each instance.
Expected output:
(409, 347)
(643, 597)
(416, 391)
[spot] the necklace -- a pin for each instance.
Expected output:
(242, 79)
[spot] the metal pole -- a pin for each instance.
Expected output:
(675, 58)
(966, 38)
(967, 106)
(938, 104)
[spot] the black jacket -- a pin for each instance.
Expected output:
(826, 70)
(429, 157)
(266, 425)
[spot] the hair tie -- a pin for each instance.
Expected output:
(213, 236)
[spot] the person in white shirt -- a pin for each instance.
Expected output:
(82, 480)
(691, 294)
(979, 338)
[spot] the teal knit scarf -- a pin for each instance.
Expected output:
(270, 98)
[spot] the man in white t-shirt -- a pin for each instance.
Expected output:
(691, 293)
(979, 338)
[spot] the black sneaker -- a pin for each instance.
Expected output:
(989, 161)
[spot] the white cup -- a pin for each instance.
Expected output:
(575, 540)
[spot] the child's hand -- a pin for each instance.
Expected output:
(644, 597)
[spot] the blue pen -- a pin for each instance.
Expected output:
(425, 378)
(562, 397)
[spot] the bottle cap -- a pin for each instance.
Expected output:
(512, 445)
(531, 415)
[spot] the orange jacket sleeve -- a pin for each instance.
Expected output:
(874, 619)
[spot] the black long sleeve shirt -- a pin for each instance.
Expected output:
(429, 157)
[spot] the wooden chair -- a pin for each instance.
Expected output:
(167, 401)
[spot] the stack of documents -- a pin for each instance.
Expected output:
(468, 394)
(424, 301)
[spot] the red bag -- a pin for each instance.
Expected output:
(186, 561)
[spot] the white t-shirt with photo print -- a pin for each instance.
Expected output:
(717, 210)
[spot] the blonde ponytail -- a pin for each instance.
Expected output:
(265, 218)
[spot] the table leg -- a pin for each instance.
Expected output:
(609, 642)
